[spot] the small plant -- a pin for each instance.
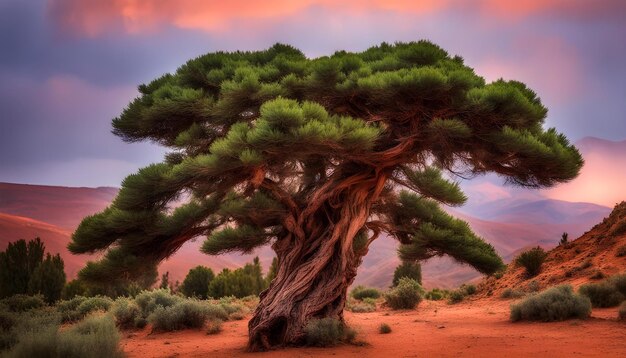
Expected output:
(362, 292)
(512, 293)
(384, 328)
(436, 294)
(327, 332)
(555, 304)
(406, 295)
(185, 314)
(92, 304)
(602, 294)
(619, 281)
(618, 229)
(585, 265)
(126, 313)
(456, 296)
(468, 289)
(621, 312)
(498, 274)
(621, 251)
(564, 240)
(21, 303)
(532, 260)
(533, 286)
(361, 307)
(214, 326)
(598, 275)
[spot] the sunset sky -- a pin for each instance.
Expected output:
(67, 67)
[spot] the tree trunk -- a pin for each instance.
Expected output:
(317, 262)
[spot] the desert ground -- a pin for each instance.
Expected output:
(476, 328)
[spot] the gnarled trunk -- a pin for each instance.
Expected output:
(317, 262)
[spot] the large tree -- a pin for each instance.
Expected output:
(318, 157)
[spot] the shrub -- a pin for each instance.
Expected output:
(361, 292)
(532, 260)
(69, 309)
(621, 251)
(412, 270)
(96, 303)
(185, 314)
(456, 296)
(618, 229)
(598, 275)
(512, 293)
(406, 295)
(621, 312)
(384, 328)
(585, 265)
(93, 337)
(564, 239)
(468, 289)
(555, 304)
(602, 294)
(327, 332)
(533, 286)
(214, 326)
(436, 294)
(126, 312)
(148, 301)
(196, 283)
(361, 307)
(619, 281)
(21, 303)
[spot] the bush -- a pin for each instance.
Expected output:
(196, 283)
(96, 303)
(511, 293)
(384, 328)
(602, 294)
(93, 337)
(532, 260)
(21, 303)
(598, 275)
(361, 292)
(214, 326)
(185, 314)
(406, 295)
(69, 309)
(619, 281)
(621, 251)
(361, 307)
(618, 229)
(148, 301)
(126, 312)
(327, 332)
(412, 270)
(456, 296)
(436, 294)
(621, 312)
(555, 304)
(468, 289)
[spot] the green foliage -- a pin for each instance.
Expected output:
(602, 294)
(362, 292)
(20, 303)
(456, 296)
(189, 313)
(327, 332)
(621, 312)
(271, 273)
(241, 282)
(384, 328)
(127, 313)
(618, 229)
(25, 270)
(555, 304)
(468, 289)
(406, 295)
(196, 283)
(367, 305)
(436, 294)
(512, 293)
(149, 301)
(214, 326)
(165, 280)
(564, 240)
(619, 281)
(92, 304)
(532, 260)
(74, 288)
(412, 270)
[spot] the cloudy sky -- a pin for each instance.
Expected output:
(67, 67)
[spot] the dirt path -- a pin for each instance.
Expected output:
(435, 329)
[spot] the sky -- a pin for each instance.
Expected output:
(67, 67)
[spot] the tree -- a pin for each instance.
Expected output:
(318, 157)
(165, 280)
(564, 240)
(242, 282)
(271, 273)
(48, 278)
(23, 270)
(412, 270)
(196, 283)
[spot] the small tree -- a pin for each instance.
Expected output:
(244, 281)
(271, 273)
(165, 280)
(532, 260)
(196, 283)
(564, 241)
(48, 278)
(318, 157)
(412, 270)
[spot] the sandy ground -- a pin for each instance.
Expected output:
(436, 329)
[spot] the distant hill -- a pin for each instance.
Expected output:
(53, 212)
(576, 263)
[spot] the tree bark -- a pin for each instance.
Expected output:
(316, 262)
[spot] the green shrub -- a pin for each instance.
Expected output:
(126, 312)
(361, 292)
(619, 281)
(406, 295)
(69, 309)
(384, 328)
(92, 304)
(618, 229)
(555, 304)
(361, 307)
(148, 301)
(93, 337)
(327, 332)
(196, 283)
(512, 293)
(8, 336)
(214, 326)
(602, 294)
(456, 296)
(598, 275)
(533, 286)
(436, 294)
(21, 303)
(532, 260)
(621, 312)
(412, 270)
(468, 289)
(185, 314)
(621, 251)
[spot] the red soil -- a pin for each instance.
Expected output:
(477, 328)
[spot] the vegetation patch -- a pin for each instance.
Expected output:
(362, 292)
(555, 304)
(512, 293)
(621, 312)
(185, 314)
(436, 294)
(406, 295)
(621, 251)
(384, 328)
(602, 294)
(327, 332)
(532, 260)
